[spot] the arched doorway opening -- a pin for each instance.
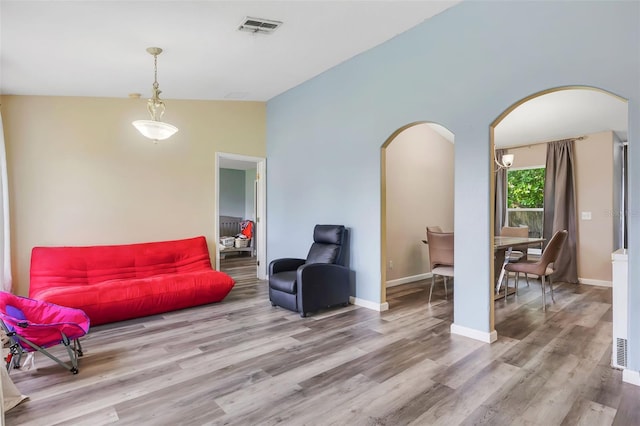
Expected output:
(416, 192)
(596, 120)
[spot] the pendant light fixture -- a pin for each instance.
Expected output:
(505, 162)
(155, 129)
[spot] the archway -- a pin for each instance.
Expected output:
(416, 191)
(597, 121)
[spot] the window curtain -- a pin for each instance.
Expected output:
(5, 240)
(560, 206)
(501, 194)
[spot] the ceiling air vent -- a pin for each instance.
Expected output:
(259, 25)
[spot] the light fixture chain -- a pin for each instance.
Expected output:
(155, 71)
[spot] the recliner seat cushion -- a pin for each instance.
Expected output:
(284, 281)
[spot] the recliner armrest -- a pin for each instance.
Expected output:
(285, 264)
(321, 285)
(320, 273)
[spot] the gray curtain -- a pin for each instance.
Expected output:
(501, 193)
(560, 206)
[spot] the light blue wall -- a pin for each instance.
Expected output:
(461, 69)
(232, 193)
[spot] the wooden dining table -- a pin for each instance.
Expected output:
(500, 247)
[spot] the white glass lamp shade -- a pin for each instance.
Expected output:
(507, 160)
(156, 130)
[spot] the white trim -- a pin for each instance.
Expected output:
(601, 283)
(406, 280)
(261, 218)
(261, 210)
(472, 333)
(369, 304)
(631, 376)
(541, 166)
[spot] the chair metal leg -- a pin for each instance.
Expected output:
(501, 278)
(433, 280)
(551, 289)
(445, 288)
(14, 356)
(66, 342)
(517, 280)
(544, 298)
(527, 277)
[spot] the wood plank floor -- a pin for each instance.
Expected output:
(243, 362)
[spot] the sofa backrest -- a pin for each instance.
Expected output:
(67, 266)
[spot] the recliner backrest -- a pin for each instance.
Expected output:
(328, 245)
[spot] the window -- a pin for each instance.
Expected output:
(525, 199)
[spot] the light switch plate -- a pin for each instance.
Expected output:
(585, 215)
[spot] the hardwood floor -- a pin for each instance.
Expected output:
(244, 362)
(241, 267)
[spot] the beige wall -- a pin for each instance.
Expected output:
(80, 174)
(529, 156)
(594, 174)
(594, 181)
(419, 182)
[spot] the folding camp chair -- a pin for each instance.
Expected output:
(34, 325)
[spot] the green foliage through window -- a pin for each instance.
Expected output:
(525, 188)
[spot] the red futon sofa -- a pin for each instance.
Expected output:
(119, 282)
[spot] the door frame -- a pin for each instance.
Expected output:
(261, 209)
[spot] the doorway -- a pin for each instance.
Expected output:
(241, 198)
(596, 121)
(417, 191)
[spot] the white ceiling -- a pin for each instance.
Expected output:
(563, 114)
(98, 48)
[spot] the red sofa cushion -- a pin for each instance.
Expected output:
(117, 282)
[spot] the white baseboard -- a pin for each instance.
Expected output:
(369, 304)
(406, 280)
(472, 333)
(589, 281)
(631, 376)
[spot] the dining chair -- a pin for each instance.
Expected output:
(440, 257)
(432, 229)
(516, 231)
(543, 267)
(516, 255)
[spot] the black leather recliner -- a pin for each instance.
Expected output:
(319, 281)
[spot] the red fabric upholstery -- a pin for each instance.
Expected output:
(118, 282)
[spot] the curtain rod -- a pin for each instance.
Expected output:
(579, 138)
